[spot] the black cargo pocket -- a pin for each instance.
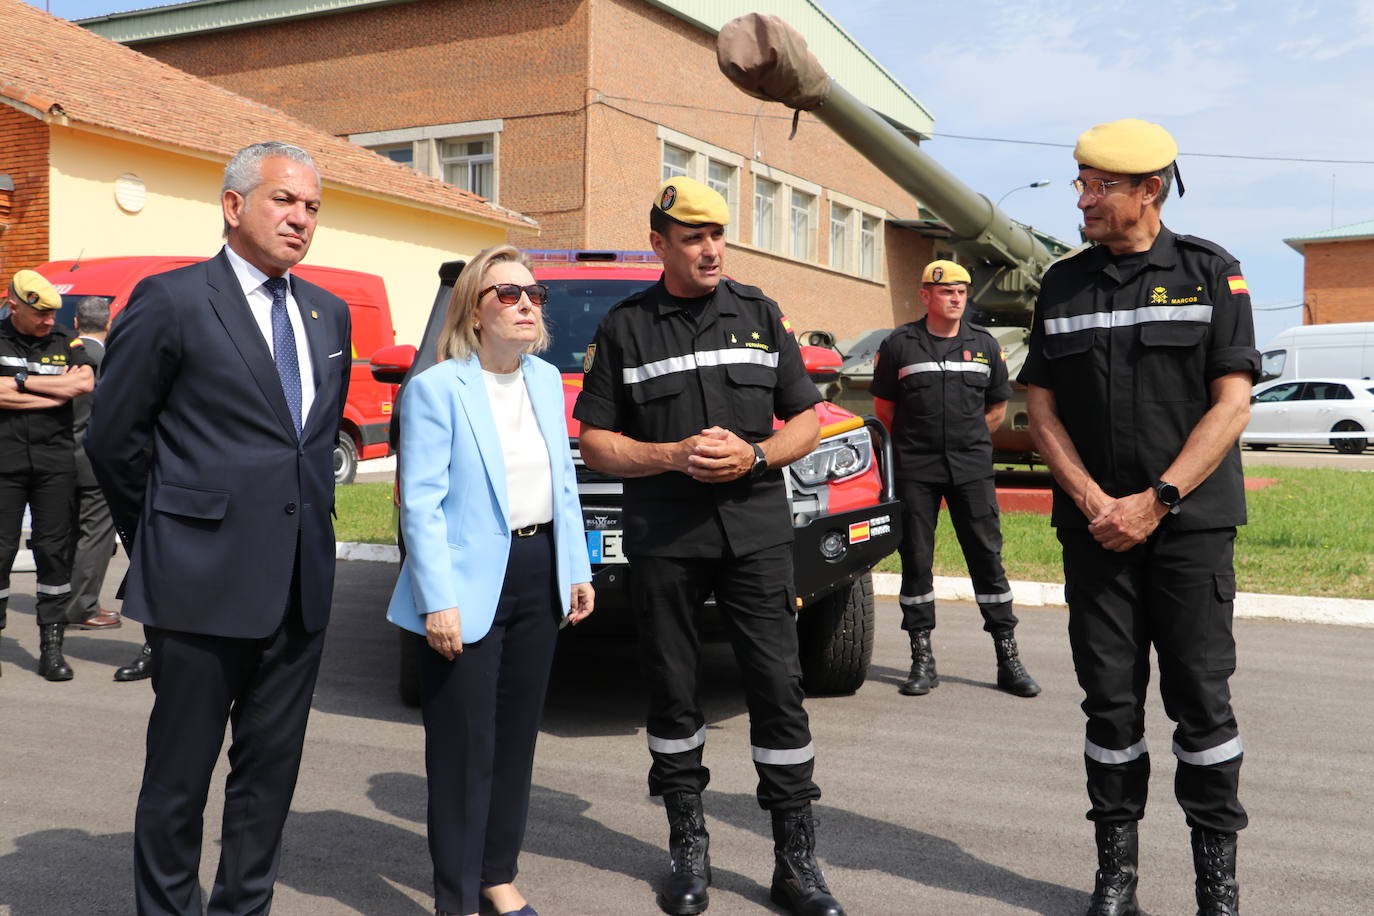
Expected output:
(191, 502)
(1069, 356)
(1221, 641)
(1172, 361)
(652, 389)
(752, 387)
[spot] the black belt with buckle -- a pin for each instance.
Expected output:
(530, 531)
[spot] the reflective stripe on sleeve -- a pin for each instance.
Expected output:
(1127, 317)
(786, 757)
(1107, 755)
(691, 361)
(994, 599)
(677, 745)
(948, 366)
(1223, 752)
(64, 589)
(927, 598)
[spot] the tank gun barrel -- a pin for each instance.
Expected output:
(767, 59)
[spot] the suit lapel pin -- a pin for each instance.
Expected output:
(314, 314)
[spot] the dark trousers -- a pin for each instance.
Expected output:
(262, 688)
(51, 497)
(481, 714)
(754, 596)
(978, 525)
(1174, 592)
(94, 547)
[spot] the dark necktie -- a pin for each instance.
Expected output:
(284, 349)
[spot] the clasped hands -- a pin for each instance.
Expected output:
(444, 629)
(1120, 524)
(715, 456)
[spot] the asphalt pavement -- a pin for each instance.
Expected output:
(967, 802)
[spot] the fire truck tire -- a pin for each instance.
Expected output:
(345, 459)
(408, 679)
(836, 639)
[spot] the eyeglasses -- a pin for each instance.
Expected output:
(509, 293)
(1095, 186)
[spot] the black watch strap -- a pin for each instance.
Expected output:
(1168, 494)
(20, 378)
(760, 462)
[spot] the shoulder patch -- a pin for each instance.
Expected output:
(77, 342)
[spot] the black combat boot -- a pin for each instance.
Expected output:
(1011, 673)
(51, 664)
(1114, 886)
(139, 668)
(798, 883)
(1214, 862)
(922, 676)
(684, 892)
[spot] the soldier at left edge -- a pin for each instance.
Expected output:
(40, 373)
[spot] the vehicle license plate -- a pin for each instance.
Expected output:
(604, 547)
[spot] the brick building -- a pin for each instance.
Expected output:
(1338, 273)
(572, 111)
(108, 152)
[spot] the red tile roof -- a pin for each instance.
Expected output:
(60, 70)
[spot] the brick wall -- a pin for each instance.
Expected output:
(24, 157)
(1338, 281)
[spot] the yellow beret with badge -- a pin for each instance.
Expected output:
(945, 272)
(1129, 147)
(691, 203)
(32, 288)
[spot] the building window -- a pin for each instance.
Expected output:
(869, 243)
(840, 218)
(803, 217)
(765, 213)
(468, 163)
(724, 179)
(404, 153)
(677, 162)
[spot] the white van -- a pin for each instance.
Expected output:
(1344, 350)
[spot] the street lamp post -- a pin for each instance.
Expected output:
(1034, 184)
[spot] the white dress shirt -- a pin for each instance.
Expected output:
(260, 304)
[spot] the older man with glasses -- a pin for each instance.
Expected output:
(1141, 360)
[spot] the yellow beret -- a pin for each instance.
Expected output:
(945, 272)
(31, 287)
(691, 203)
(1128, 147)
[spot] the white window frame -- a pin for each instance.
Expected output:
(702, 154)
(426, 144)
(841, 228)
(858, 212)
(802, 241)
(468, 160)
(774, 229)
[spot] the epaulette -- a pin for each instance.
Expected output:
(634, 297)
(1205, 245)
(744, 290)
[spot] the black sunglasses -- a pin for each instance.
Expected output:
(509, 293)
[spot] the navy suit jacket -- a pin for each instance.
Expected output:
(213, 495)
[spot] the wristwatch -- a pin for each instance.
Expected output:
(20, 378)
(760, 464)
(1168, 494)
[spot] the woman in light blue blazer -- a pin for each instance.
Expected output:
(496, 561)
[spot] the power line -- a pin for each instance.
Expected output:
(1275, 308)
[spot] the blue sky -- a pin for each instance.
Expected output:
(1288, 81)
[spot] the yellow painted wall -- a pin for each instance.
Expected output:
(181, 216)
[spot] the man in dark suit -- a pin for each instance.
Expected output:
(95, 529)
(213, 438)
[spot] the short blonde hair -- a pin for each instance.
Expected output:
(460, 338)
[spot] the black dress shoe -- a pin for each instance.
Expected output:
(140, 668)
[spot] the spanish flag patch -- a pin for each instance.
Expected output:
(786, 325)
(858, 532)
(1238, 285)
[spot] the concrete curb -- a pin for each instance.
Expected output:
(1350, 612)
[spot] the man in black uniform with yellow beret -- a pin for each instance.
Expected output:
(1140, 367)
(40, 372)
(681, 387)
(940, 384)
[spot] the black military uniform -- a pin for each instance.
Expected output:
(1128, 345)
(661, 370)
(37, 469)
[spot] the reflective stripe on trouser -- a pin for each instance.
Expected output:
(754, 598)
(978, 526)
(1174, 592)
(51, 498)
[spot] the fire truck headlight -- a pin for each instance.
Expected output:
(839, 458)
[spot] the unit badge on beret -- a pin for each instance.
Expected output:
(937, 275)
(668, 199)
(588, 358)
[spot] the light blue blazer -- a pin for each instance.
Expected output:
(454, 509)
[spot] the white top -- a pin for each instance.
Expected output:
(529, 482)
(260, 304)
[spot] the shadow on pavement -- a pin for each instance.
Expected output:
(38, 874)
(849, 840)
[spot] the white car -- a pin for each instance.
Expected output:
(1312, 411)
